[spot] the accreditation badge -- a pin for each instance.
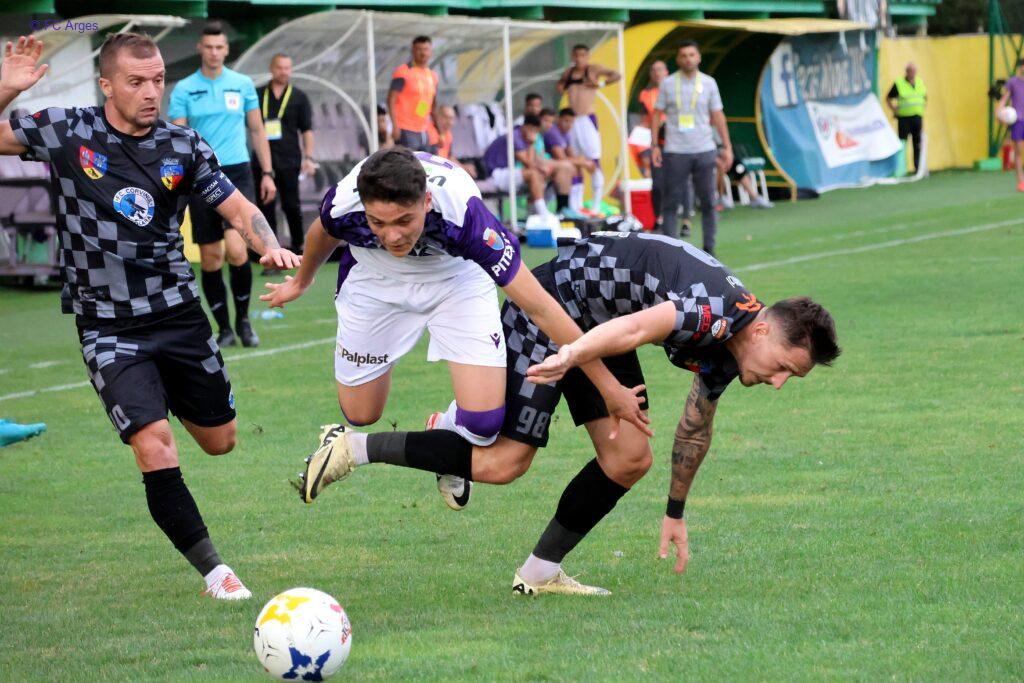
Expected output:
(273, 128)
(422, 108)
(686, 122)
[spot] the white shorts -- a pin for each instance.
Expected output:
(380, 319)
(500, 176)
(584, 138)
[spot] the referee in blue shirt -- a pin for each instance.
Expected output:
(220, 104)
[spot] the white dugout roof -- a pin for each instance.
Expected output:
(345, 58)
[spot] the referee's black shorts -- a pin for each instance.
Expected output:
(207, 224)
(142, 367)
(529, 407)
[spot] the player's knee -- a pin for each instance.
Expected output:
(479, 427)
(154, 447)
(221, 441)
(360, 416)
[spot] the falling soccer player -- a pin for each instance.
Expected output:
(626, 291)
(423, 253)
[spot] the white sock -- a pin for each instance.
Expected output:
(216, 574)
(357, 442)
(576, 196)
(536, 570)
(540, 207)
(597, 186)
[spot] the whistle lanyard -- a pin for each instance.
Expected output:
(284, 102)
(697, 89)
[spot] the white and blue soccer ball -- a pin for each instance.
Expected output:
(302, 634)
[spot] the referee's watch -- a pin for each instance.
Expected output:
(269, 173)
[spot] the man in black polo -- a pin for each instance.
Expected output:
(287, 115)
(123, 178)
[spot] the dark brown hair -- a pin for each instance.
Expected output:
(392, 175)
(138, 44)
(807, 324)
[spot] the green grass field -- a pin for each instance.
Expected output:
(865, 522)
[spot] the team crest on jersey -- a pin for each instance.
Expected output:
(233, 100)
(171, 172)
(94, 165)
(720, 329)
(493, 239)
(135, 204)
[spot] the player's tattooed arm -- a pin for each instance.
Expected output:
(259, 236)
(692, 440)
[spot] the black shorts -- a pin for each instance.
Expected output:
(529, 407)
(737, 170)
(207, 224)
(143, 366)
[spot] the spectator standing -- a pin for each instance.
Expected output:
(692, 106)
(907, 98)
(287, 115)
(220, 104)
(580, 83)
(1015, 96)
(412, 95)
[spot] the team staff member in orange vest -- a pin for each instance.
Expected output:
(907, 98)
(411, 97)
(648, 96)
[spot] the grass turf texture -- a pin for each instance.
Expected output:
(863, 522)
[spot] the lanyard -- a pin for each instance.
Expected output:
(697, 90)
(284, 101)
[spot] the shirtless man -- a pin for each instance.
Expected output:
(580, 83)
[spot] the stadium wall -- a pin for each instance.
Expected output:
(955, 71)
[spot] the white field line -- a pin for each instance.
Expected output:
(752, 267)
(879, 245)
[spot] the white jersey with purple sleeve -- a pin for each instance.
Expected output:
(459, 230)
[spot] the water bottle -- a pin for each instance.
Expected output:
(272, 314)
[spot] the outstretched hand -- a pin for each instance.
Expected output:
(282, 259)
(627, 404)
(19, 72)
(282, 292)
(552, 368)
(674, 531)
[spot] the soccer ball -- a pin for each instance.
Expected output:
(1008, 115)
(302, 634)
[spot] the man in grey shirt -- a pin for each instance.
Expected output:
(690, 104)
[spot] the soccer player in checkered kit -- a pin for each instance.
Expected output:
(423, 253)
(124, 178)
(628, 290)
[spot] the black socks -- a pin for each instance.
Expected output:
(586, 500)
(439, 450)
(241, 289)
(217, 297)
(175, 512)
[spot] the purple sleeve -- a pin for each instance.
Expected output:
(333, 226)
(485, 241)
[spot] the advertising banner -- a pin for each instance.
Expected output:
(847, 133)
(822, 120)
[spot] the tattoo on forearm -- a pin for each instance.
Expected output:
(692, 440)
(259, 234)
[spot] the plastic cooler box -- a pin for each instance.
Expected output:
(544, 231)
(641, 202)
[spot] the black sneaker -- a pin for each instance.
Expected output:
(684, 231)
(247, 334)
(225, 337)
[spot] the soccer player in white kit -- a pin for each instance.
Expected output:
(423, 252)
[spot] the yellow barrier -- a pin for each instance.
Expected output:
(955, 70)
(191, 250)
